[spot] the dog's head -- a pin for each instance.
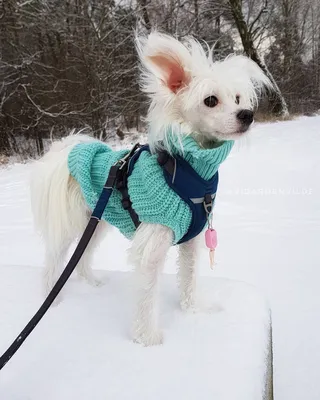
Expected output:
(212, 100)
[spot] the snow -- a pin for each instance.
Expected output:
(268, 220)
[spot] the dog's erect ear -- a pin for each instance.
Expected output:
(166, 58)
(172, 72)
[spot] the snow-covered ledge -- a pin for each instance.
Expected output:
(82, 350)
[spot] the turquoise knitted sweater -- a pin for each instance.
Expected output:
(152, 199)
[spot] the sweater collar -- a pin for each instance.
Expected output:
(204, 161)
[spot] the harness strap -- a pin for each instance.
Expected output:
(188, 184)
(122, 186)
(122, 183)
(125, 170)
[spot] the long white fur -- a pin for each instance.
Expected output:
(60, 212)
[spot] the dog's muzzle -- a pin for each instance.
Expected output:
(245, 117)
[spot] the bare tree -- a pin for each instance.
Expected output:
(145, 14)
(66, 65)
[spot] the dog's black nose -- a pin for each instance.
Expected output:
(245, 116)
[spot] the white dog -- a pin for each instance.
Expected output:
(191, 95)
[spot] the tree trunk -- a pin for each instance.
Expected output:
(196, 15)
(276, 100)
(145, 14)
(4, 144)
(39, 142)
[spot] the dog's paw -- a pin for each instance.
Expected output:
(95, 282)
(149, 338)
(188, 304)
(91, 279)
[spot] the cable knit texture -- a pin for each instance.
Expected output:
(152, 199)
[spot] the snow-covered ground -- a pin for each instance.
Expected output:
(268, 219)
(81, 350)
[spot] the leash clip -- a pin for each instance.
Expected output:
(208, 203)
(122, 162)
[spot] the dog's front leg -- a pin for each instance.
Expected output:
(150, 246)
(187, 273)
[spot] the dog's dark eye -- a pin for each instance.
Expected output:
(211, 101)
(237, 99)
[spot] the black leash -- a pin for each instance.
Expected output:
(115, 171)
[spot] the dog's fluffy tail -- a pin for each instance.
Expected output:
(57, 204)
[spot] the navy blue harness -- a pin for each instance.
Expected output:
(197, 192)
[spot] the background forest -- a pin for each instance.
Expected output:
(68, 64)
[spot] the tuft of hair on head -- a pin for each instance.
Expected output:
(255, 81)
